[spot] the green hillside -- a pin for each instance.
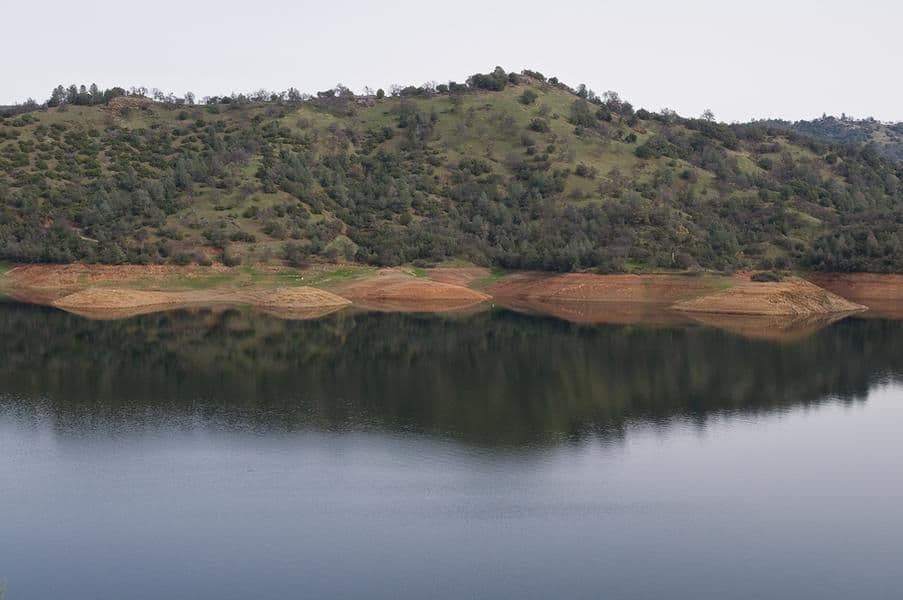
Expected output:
(886, 138)
(507, 170)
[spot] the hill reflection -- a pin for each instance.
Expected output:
(494, 377)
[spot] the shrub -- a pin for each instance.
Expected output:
(182, 258)
(495, 81)
(539, 125)
(767, 277)
(583, 170)
(295, 254)
(231, 258)
(528, 97)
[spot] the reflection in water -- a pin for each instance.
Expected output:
(489, 378)
(230, 454)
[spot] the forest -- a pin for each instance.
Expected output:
(514, 170)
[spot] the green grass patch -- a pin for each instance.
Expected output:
(196, 281)
(324, 278)
(495, 274)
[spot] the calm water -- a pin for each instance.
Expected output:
(234, 455)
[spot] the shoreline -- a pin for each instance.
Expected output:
(103, 291)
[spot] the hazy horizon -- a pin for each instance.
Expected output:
(768, 61)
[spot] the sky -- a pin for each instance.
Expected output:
(791, 59)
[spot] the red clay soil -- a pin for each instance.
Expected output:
(80, 275)
(394, 290)
(791, 297)
(881, 293)
(462, 276)
(588, 287)
(297, 302)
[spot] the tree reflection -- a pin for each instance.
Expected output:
(490, 378)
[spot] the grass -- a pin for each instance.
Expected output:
(197, 280)
(325, 278)
(495, 274)
(4, 267)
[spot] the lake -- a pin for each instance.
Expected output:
(229, 454)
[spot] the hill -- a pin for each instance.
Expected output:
(886, 137)
(511, 170)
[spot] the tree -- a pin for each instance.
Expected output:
(581, 115)
(708, 115)
(57, 96)
(612, 100)
(527, 97)
(380, 94)
(189, 98)
(495, 81)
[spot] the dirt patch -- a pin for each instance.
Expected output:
(395, 290)
(881, 293)
(103, 298)
(588, 287)
(791, 297)
(462, 276)
(117, 303)
(115, 291)
(79, 275)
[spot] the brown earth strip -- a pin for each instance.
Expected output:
(791, 297)
(81, 275)
(297, 302)
(394, 290)
(114, 291)
(588, 287)
(462, 276)
(881, 293)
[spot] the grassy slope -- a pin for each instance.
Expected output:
(485, 125)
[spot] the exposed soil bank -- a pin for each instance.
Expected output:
(587, 287)
(881, 293)
(70, 276)
(792, 297)
(298, 302)
(116, 291)
(396, 290)
(610, 294)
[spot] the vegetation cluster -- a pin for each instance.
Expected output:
(513, 170)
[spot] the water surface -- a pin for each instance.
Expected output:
(228, 454)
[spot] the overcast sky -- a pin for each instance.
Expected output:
(788, 58)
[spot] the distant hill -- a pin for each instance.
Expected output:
(512, 170)
(887, 137)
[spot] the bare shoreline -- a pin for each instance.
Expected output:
(101, 291)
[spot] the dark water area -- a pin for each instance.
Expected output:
(231, 454)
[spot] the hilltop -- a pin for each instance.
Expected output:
(885, 138)
(510, 170)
